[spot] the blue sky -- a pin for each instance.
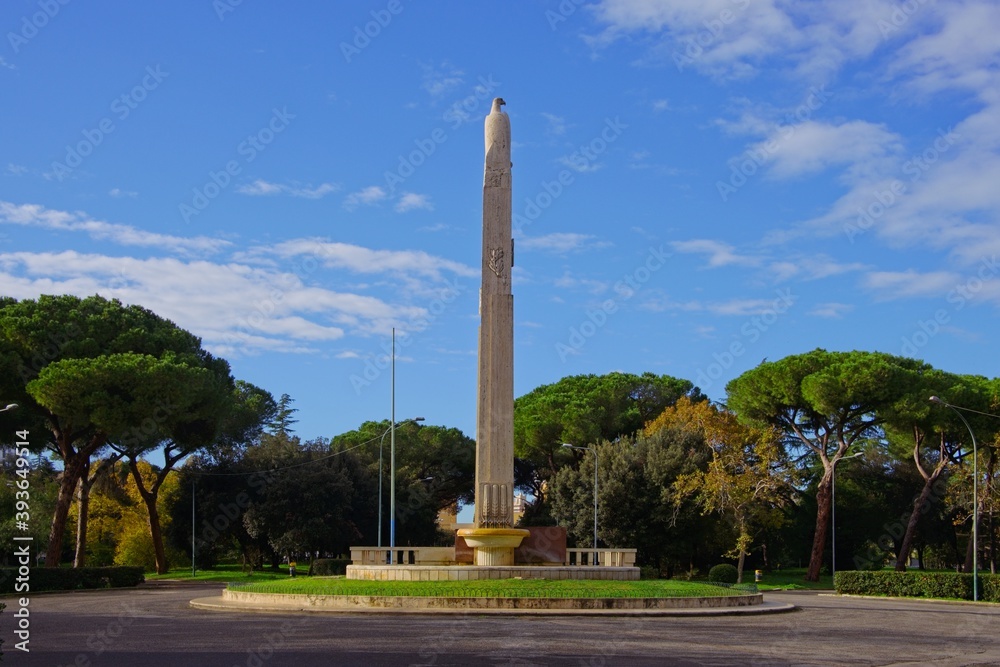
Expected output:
(698, 185)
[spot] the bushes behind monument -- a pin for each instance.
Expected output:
(69, 579)
(330, 567)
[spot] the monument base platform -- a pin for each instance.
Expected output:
(474, 572)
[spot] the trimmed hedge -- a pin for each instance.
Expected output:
(724, 573)
(329, 567)
(917, 584)
(70, 579)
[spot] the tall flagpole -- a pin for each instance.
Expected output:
(392, 453)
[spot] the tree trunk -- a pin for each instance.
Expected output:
(739, 567)
(82, 512)
(822, 524)
(149, 498)
(903, 553)
(157, 535)
(72, 470)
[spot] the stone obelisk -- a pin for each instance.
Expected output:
(494, 538)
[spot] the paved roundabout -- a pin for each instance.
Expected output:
(155, 626)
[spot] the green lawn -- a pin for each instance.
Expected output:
(509, 588)
(790, 580)
(226, 573)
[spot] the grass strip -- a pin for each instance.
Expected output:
(502, 588)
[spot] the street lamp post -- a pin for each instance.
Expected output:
(975, 494)
(392, 482)
(10, 406)
(594, 450)
(833, 512)
(194, 547)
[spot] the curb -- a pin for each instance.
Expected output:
(220, 604)
(900, 598)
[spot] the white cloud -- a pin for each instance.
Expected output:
(373, 194)
(367, 261)
(831, 310)
(569, 281)
(436, 227)
(16, 169)
(556, 124)
(811, 267)
(410, 201)
(439, 80)
(719, 254)
(660, 106)
(118, 193)
(957, 55)
(247, 310)
(576, 163)
(734, 38)
(906, 284)
(34, 215)
(261, 187)
(560, 242)
(812, 146)
(746, 307)
(5, 64)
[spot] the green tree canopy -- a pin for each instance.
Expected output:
(88, 368)
(825, 403)
(585, 409)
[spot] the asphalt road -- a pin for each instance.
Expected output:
(153, 626)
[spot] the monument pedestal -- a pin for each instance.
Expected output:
(493, 546)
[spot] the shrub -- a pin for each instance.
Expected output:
(329, 567)
(917, 584)
(68, 579)
(649, 572)
(724, 573)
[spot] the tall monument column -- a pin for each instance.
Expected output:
(494, 537)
